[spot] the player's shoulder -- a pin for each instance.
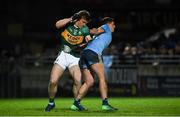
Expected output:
(85, 29)
(105, 27)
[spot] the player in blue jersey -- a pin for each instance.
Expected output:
(91, 60)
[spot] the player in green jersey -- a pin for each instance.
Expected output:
(74, 34)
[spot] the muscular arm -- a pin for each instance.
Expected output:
(87, 38)
(96, 31)
(63, 22)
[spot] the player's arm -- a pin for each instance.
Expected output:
(93, 31)
(87, 38)
(61, 23)
(96, 31)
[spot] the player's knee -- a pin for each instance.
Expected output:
(102, 79)
(53, 80)
(90, 82)
(77, 82)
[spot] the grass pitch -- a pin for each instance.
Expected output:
(126, 106)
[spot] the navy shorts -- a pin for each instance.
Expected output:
(88, 58)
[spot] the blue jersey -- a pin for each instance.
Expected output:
(102, 41)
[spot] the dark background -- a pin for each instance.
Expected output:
(136, 20)
(29, 45)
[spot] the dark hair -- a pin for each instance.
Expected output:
(84, 14)
(106, 20)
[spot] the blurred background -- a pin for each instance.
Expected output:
(142, 60)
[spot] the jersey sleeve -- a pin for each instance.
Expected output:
(85, 31)
(105, 27)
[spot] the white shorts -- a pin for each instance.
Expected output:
(66, 60)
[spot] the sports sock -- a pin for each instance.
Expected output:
(105, 101)
(51, 101)
(77, 101)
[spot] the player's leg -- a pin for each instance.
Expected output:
(88, 82)
(98, 68)
(76, 75)
(75, 72)
(56, 72)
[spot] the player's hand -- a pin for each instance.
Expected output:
(88, 38)
(75, 17)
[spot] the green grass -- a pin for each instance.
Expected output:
(127, 107)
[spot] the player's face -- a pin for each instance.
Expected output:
(82, 22)
(112, 26)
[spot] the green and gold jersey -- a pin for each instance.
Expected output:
(72, 37)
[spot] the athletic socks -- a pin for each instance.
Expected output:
(105, 101)
(77, 106)
(51, 101)
(50, 105)
(106, 106)
(77, 101)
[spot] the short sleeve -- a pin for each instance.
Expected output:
(105, 27)
(85, 31)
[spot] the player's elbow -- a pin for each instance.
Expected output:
(57, 25)
(60, 24)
